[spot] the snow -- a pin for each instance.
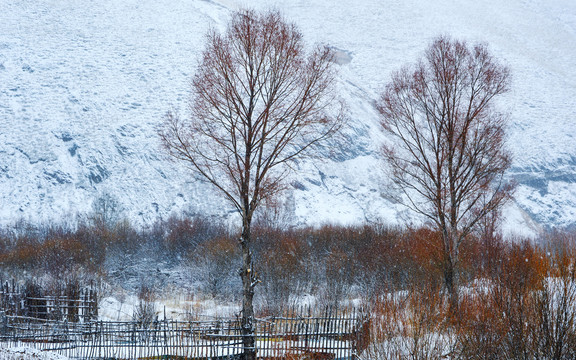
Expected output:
(177, 307)
(26, 353)
(84, 86)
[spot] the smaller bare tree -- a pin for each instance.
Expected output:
(258, 103)
(447, 153)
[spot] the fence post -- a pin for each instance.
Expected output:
(4, 320)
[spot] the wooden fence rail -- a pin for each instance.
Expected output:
(331, 335)
(69, 302)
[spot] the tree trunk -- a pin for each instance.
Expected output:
(450, 281)
(449, 267)
(449, 276)
(248, 278)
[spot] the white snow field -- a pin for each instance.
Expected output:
(84, 85)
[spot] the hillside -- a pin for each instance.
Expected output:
(84, 86)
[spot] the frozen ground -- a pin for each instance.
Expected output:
(84, 84)
(178, 307)
(23, 353)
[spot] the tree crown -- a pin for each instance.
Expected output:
(448, 153)
(259, 101)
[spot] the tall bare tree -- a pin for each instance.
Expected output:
(447, 153)
(259, 101)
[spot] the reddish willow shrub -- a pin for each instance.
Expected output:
(526, 311)
(55, 255)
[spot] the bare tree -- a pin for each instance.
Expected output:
(259, 101)
(447, 153)
(106, 211)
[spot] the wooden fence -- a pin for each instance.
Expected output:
(299, 333)
(68, 302)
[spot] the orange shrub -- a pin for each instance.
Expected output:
(61, 255)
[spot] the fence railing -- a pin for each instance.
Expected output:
(69, 302)
(330, 334)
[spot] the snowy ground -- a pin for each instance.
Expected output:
(84, 85)
(179, 307)
(23, 353)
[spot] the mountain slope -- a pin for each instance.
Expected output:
(84, 85)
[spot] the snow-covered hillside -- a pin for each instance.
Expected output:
(84, 85)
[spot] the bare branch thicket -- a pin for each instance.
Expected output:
(259, 101)
(554, 303)
(411, 324)
(448, 154)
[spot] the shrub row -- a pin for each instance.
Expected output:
(527, 310)
(331, 262)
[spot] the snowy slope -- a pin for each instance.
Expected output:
(84, 84)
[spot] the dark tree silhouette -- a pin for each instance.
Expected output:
(448, 153)
(259, 101)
